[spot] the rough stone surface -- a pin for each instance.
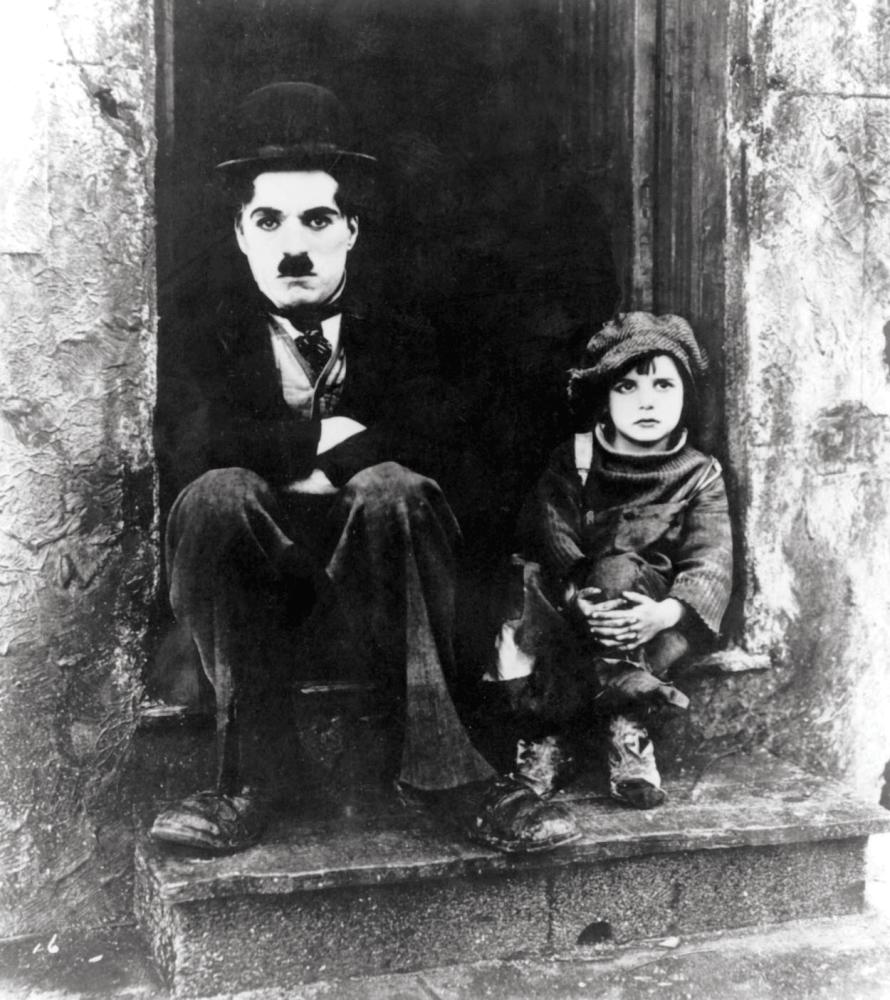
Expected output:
(808, 383)
(824, 45)
(77, 543)
(695, 891)
(807, 960)
(728, 800)
(742, 839)
(282, 941)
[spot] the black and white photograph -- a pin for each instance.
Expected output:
(445, 500)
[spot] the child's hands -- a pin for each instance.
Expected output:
(597, 617)
(645, 618)
(630, 623)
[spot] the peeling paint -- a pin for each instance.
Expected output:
(78, 538)
(810, 374)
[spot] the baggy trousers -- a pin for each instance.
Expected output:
(238, 552)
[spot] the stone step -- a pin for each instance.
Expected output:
(743, 839)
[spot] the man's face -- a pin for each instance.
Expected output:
(295, 237)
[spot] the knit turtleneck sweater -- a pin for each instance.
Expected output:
(700, 554)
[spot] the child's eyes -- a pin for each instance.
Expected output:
(664, 383)
(623, 387)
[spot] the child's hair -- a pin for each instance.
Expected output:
(621, 345)
(643, 364)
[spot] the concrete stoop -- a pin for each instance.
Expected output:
(742, 840)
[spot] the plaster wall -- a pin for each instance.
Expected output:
(808, 369)
(77, 531)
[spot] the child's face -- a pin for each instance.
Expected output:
(646, 408)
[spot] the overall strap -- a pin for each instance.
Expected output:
(583, 455)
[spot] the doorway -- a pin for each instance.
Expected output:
(546, 161)
(494, 223)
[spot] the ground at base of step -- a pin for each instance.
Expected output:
(845, 958)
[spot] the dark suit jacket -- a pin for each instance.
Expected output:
(220, 402)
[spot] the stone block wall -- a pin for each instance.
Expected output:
(808, 369)
(78, 547)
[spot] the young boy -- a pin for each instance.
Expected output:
(629, 551)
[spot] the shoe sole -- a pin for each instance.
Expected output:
(513, 847)
(174, 835)
(639, 805)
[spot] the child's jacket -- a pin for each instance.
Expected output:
(668, 507)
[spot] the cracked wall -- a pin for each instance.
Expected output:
(77, 524)
(809, 385)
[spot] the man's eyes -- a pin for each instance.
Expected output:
(269, 223)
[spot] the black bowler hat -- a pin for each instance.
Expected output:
(298, 125)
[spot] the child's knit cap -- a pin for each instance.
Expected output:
(633, 335)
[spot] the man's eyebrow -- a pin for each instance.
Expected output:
(320, 210)
(262, 210)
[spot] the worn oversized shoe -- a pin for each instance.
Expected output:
(512, 817)
(545, 764)
(209, 821)
(633, 776)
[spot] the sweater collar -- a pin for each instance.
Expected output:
(641, 471)
(645, 456)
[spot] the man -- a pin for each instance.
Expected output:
(308, 429)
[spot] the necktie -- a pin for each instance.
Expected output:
(311, 343)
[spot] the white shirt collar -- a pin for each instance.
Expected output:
(330, 327)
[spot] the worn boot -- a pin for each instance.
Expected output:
(505, 813)
(545, 764)
(213, 822)
(633, 776)
(512, 817)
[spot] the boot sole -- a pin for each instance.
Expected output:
(516, 847)
(182, 838)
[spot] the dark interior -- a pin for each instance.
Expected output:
(487, 221)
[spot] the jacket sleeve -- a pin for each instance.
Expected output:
(554, 517)
(703, 577)
(428, 442)
(204, 422)
(413, 416)
(278, 449)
